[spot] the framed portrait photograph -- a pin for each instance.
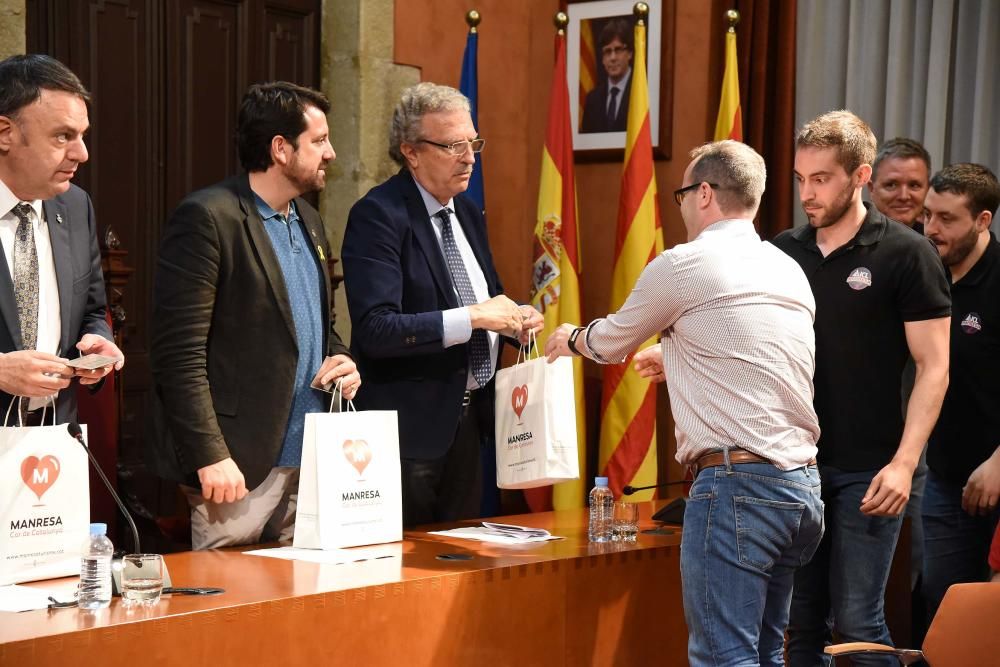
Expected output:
(600, 54)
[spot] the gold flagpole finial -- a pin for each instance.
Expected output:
(641, 12)
(473, 18)
(733, 17)
(561, 21)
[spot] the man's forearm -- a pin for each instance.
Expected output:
(922, 412)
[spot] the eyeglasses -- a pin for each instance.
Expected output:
(679, 194)
(614, 50)
(459, 147)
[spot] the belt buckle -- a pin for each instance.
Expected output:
(467, 399)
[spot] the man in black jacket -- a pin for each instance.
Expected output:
(242, 326)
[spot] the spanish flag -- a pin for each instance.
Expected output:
(628, 403)
(555, 280)
(729, 124)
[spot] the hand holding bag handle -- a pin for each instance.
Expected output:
(340, 399)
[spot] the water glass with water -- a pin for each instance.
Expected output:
(626, 521)
(142, 578)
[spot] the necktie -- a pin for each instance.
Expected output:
(26, 276)
(612, 105)
(479, 348)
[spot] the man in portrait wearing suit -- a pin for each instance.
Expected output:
(242, 326)
(52, 291)
(606, 107)
(427, 306)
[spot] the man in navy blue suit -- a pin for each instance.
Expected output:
(427, 307)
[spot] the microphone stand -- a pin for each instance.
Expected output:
(117, 560)
(672, 512)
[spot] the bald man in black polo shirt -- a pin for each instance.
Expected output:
(963, 484)
(881, 293)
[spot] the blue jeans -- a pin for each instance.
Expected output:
(747, 527)
(957, 544)
(914, 510)
(844, 584)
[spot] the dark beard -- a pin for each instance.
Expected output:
(961, 248)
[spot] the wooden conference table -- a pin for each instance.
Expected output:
(565, 602)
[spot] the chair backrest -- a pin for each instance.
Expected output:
(966, 629)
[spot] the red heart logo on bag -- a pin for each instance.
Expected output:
(358, 454)
(40, 474)
(519, 399)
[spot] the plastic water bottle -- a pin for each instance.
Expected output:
(95, 569)
(602, 505)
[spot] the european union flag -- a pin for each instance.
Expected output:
(470, 88)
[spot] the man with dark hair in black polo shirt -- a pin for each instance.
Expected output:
(963, 485)
(881, 294)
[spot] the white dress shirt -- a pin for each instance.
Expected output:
(457, 322)
(49, 322)
(49, 314)
(736, 315)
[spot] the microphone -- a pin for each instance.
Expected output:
(77, 434)
(628, 490)
(116, 565)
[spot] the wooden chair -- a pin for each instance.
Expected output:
(964, 632)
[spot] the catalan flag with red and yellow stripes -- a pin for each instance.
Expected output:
(588, 62)
(628, 402)
(555, 278)
(729, 123)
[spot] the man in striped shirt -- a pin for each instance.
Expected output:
(736, 318)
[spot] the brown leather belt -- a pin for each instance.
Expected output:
(736, 455)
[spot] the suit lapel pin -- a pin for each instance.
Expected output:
(59, 218)
(319, 249)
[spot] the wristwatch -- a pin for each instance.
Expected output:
(571, 343)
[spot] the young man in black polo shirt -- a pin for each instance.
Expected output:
(963, 485)
(881, 292)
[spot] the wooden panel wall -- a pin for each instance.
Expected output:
(166, 79)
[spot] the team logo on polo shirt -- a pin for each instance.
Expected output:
(972, 324)
(860, 278)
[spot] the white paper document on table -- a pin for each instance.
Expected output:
(499, 533)
(16, 598)
(331, 556)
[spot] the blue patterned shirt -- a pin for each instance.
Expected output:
(303, 277)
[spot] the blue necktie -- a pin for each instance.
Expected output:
(612, 106)
(479, 344)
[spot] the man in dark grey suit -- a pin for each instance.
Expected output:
(606, 106)
(51, 287)
(242, 326)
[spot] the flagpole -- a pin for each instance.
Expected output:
(729, 123)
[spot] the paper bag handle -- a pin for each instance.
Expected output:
(524, 351)
(20, 420)
(338, 392)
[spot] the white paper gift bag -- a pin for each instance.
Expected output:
(349, 483)
(44, 502)
(536, 424)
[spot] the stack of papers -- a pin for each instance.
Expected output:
(499, 533)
